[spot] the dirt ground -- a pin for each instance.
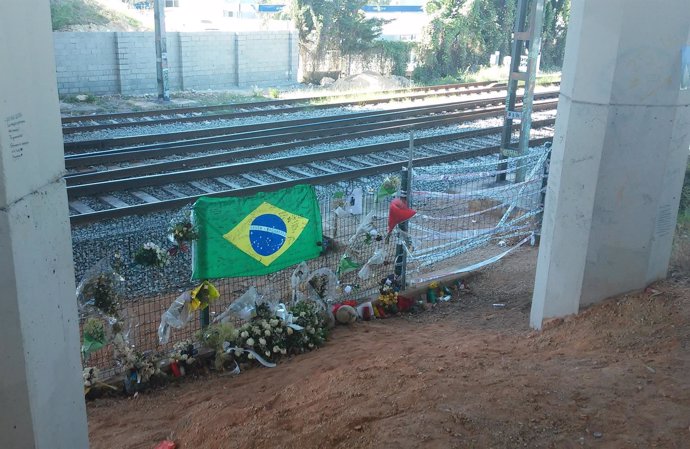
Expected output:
(464, 375)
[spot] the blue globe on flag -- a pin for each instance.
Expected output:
(267, 234)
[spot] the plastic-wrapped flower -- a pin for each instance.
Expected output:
(262, 341)
(250, 342)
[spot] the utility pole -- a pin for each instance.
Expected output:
(161, 50)
(527, 31)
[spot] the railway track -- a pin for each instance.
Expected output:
(139, 174)
(254, 145)
(122, 195)
(281, 130)
(90, 123)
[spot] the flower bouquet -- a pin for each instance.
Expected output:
(94, 336)
(215, 337)
(181, 233)
(387, 301)
(265, 335)
(203, 295)
(182, 355)
(91, 377)
(151, 254)
(315, 327)
(138, 367)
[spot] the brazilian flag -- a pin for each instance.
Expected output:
(251, 236)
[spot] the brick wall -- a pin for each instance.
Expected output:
(268, 56)
(124, 63)
(86, 64)
(208, 60)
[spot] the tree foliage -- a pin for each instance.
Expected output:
(464, 33)
(333, 25)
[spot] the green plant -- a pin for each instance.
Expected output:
(214, 337)
(273, 92)
(67, 13)
(463, 34)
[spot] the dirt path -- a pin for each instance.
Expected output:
(462, 376)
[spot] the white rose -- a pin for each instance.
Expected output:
(238, 352)
(311, 345)
(283, 351)
(262, 341)
(250, 356)
(268, 353)
(276, 349)
(244, 334)
(267, 333)
(250, 342)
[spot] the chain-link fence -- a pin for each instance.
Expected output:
(464, 217)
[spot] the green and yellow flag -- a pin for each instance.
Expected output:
(256, 235)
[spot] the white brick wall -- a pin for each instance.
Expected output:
(112, 63)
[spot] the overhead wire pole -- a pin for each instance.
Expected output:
(161, 50)
(525, 31)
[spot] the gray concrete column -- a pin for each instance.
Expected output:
(41, 393)
(620, 148)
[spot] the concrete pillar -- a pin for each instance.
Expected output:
(41, 393)
(620, 148)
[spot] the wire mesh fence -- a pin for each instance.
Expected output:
(464, 218)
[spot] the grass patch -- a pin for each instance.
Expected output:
(493, 73)
(68, 13)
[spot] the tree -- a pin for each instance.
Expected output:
(463, 33)
(556, 17)
(332, 25)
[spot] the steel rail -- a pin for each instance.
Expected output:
(266, 103)
(348, 133)
(263, 112)
(314, 180)
(209, 135)
(254, 166)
